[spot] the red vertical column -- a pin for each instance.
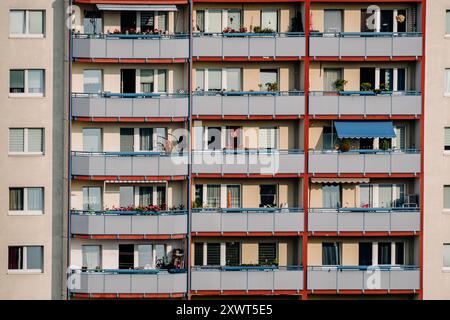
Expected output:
(306, 147)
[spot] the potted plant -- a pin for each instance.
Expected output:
(345, 145)
(272, 86)
(339, 84)
(366, 86)
(384, 144)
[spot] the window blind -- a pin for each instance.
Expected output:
(214, 79)
(126, 196)
(35, 140)
(17, 22)
(446, 197)
(34, 258)
(213, 196)
(36, 22)
(232, 253)
(214, 21)
(213, 254)
(198, 254)
(267, 253)
(447, 139)
(126, 139)
(35, 199)
(16, 140)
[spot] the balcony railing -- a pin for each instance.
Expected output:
(128, 223)
(131, 281)
(365, 103)
(269, 162)
(247, 220)
(291, 44)
(129, 164)
(366, 44)
(247, 278)
(364, 220)
(364, 161)
(132, 46)
(363, 278)
(248, 103)
(140, 105)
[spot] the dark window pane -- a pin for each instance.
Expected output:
(145, 196)
(267, 253)
(331, 254)
(198, 201)
(126, 139)
(213, 254)
(198, 254)
(126, 256)
(16, 199)
(365, 254)
(17, 81)
(268, 195)
(399, 253)
(233, 253)
(384, 253)
(15, 255)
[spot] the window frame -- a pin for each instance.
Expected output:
(26, 85)
(25, 211)
(26, 144)
(27, 33)
(24, 257)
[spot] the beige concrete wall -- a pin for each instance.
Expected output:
(112, 75)
(288, 248)
(289, 76)
(34, 171)
(251, 13)
(437, 163)
(288, 190)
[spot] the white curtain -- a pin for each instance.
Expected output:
(267, 138)
(447, 29)
(161, 80)
(329, 77)
(145, 256)
(268, 76)
(214, 80)
(17, 22)
(269, 20)
(36, 81)
(34, 258)
(213, 196)
(92, 140)
(199, 79)
(35, 199)
(446, 253)
(92, 81)
(385, 196)
(91, 257)
(35, 140)
(36, 22)
(234, 19)
(147, 80)
(234, 79)
(215, 21)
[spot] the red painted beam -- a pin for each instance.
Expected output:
(365, 59)
(246, 234)
(122, 178)
(129, 236)
(362, 117)
(363, 292)
(127, 60)
(367, 175)
(363, 234)
(244, 59)
(245, 292)
(131, 1)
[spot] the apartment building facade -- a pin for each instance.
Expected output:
(226, 149)
(32, 140)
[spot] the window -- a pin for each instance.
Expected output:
(126, 196)
(213, 254)
(92, 258)
(214, 80)
(214, 138)
(233, 196)
(446, 255)
(27, 258)
(330, 76)
(399, 142)
(234, 138)
(385, 196)
(215, 21)
(92, 140)
(93, 22)
(399, 253)
(268, 195)
(333, 21)
(234, 19)
(126, 140)
(331, 255)
(267, 138)
(26, 82)
(447, 139)
(447, 22)
(331, 196)
(234, 82)
(213, 196)
(26, 140)
(126, 256)
(149, 196)
(146, 139)
(447, 197)
(147, 21)
(233, 253)
(366, 196)
(92, 80)
(384, 253)
(145, 256)
(365, 253)
(92, 199)
(269, 20)
(198, 254)
(26, 23)
(200, 20)
(153, 81)
(447, 82)
(267, 253)
(26, 199)
(200, 79)
(267, 78)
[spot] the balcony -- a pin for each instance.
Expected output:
(142, 105)
(249, 45)
(131, 281)
(131, 46)
(364, 278)
(366, 44)
(247, 279)
(364, 220)
(248, 162)
(129, 164)
(249, 104)
(270, 220)
(364, 161)
(363, 103)
(128, 223)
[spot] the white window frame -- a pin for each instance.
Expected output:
(155, 80)
(155, 20)
(393, 253)
(445, 268)
(137, 138)
(394, 22)
(25, 211)
(223, 194)
(394, 76)
(376, 191)
(446, 79)
(27, 33)
(167, 250)
(154, 194)
(24, 261)
(25, 144)
(27, 94)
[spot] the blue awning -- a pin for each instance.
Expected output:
(364, 129)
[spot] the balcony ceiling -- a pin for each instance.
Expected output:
(132, 2)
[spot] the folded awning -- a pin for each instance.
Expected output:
(340, 180)
(135, 7)
(364, 129)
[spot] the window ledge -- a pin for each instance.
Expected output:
(25, 213)
(446, 269)
(28, 95)
(447, 36)
(26, 36)
(25, 154)
(447, 94)
(446, 211)
(23, 272)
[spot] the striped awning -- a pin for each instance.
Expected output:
(340, 180)
(135, 7)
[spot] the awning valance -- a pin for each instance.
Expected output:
(135, 7)
(340, 180)
(364, 129)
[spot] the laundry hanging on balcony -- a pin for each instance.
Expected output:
(364, 129)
